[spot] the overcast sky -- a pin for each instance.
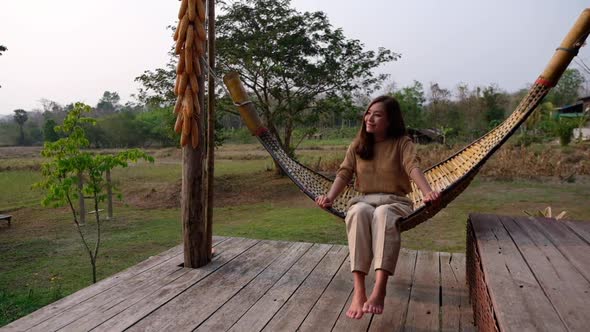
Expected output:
(74, 50)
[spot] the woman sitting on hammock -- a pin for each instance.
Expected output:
(383, 159)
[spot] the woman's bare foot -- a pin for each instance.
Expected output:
(355, 311)
(374, 304)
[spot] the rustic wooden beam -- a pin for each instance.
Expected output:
(197, 246)
(211, 121)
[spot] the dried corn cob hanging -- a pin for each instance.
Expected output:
(190, 39)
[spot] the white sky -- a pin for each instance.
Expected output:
(74, 50)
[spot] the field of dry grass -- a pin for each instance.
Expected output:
(42, 260)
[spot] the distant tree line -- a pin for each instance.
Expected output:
(304, 75)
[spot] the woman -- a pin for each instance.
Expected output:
(383, 159)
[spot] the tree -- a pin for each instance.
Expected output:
(20, 117)
(567, 89)
(469, 105)
(290, 60)
(157, 93)
(67, 163)
(157, 87)
(109, 103)
(49, 133)
(493, 100)
(411, 100)
(440, 110)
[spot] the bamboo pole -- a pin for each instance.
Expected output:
(568, 48)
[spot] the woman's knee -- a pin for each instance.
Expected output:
(383, 214)
(359, 211)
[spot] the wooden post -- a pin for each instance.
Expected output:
(211, 121)
(109, 196)
(82, 209)
(197, 249)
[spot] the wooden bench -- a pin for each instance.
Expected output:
(528, 274)
(6, 217)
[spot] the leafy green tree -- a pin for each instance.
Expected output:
(411, 100)
(34, 134)
(439, 108)
(158, 125)
(157, 86)
(157, 93)
(290, 60)
(108, 103)
(493, 102)
(567, 90)
(565, 130)
(20, 117)
(49, 130)
(122, 130)
(68, 162)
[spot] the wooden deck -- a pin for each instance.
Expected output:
(254, 285)
(529, 274)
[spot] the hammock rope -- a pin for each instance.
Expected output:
(451, 176)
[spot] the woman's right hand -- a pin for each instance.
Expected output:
(323, 201)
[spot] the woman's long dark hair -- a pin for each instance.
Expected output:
(364, 142)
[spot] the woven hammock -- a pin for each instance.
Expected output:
(450, 176)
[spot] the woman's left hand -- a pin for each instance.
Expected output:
(432, 197)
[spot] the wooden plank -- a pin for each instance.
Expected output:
(567, 241)
(235, 308)
(84, 294)
(518, 300)
(561, 282)
(399, 287)
(150, 305)
(113, 296)
(90, 292)
(331, 303)
(343, 323)
(260, 313)
(423, 309)
(581, 228)
(466, 310)
(110, 297)
(451, 293)
(294, 311)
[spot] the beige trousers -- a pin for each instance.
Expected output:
(373, 233)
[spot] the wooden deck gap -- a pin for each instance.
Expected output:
(267, 290)
(564, 254)
(407, 306)
(440, 291)
(577, 232)
(343, 309)
(561, 318)
(189, 286)
(370, 321)
(246, 285)
(297, 288)
(323, 291)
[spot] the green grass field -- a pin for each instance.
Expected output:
(42, 257)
